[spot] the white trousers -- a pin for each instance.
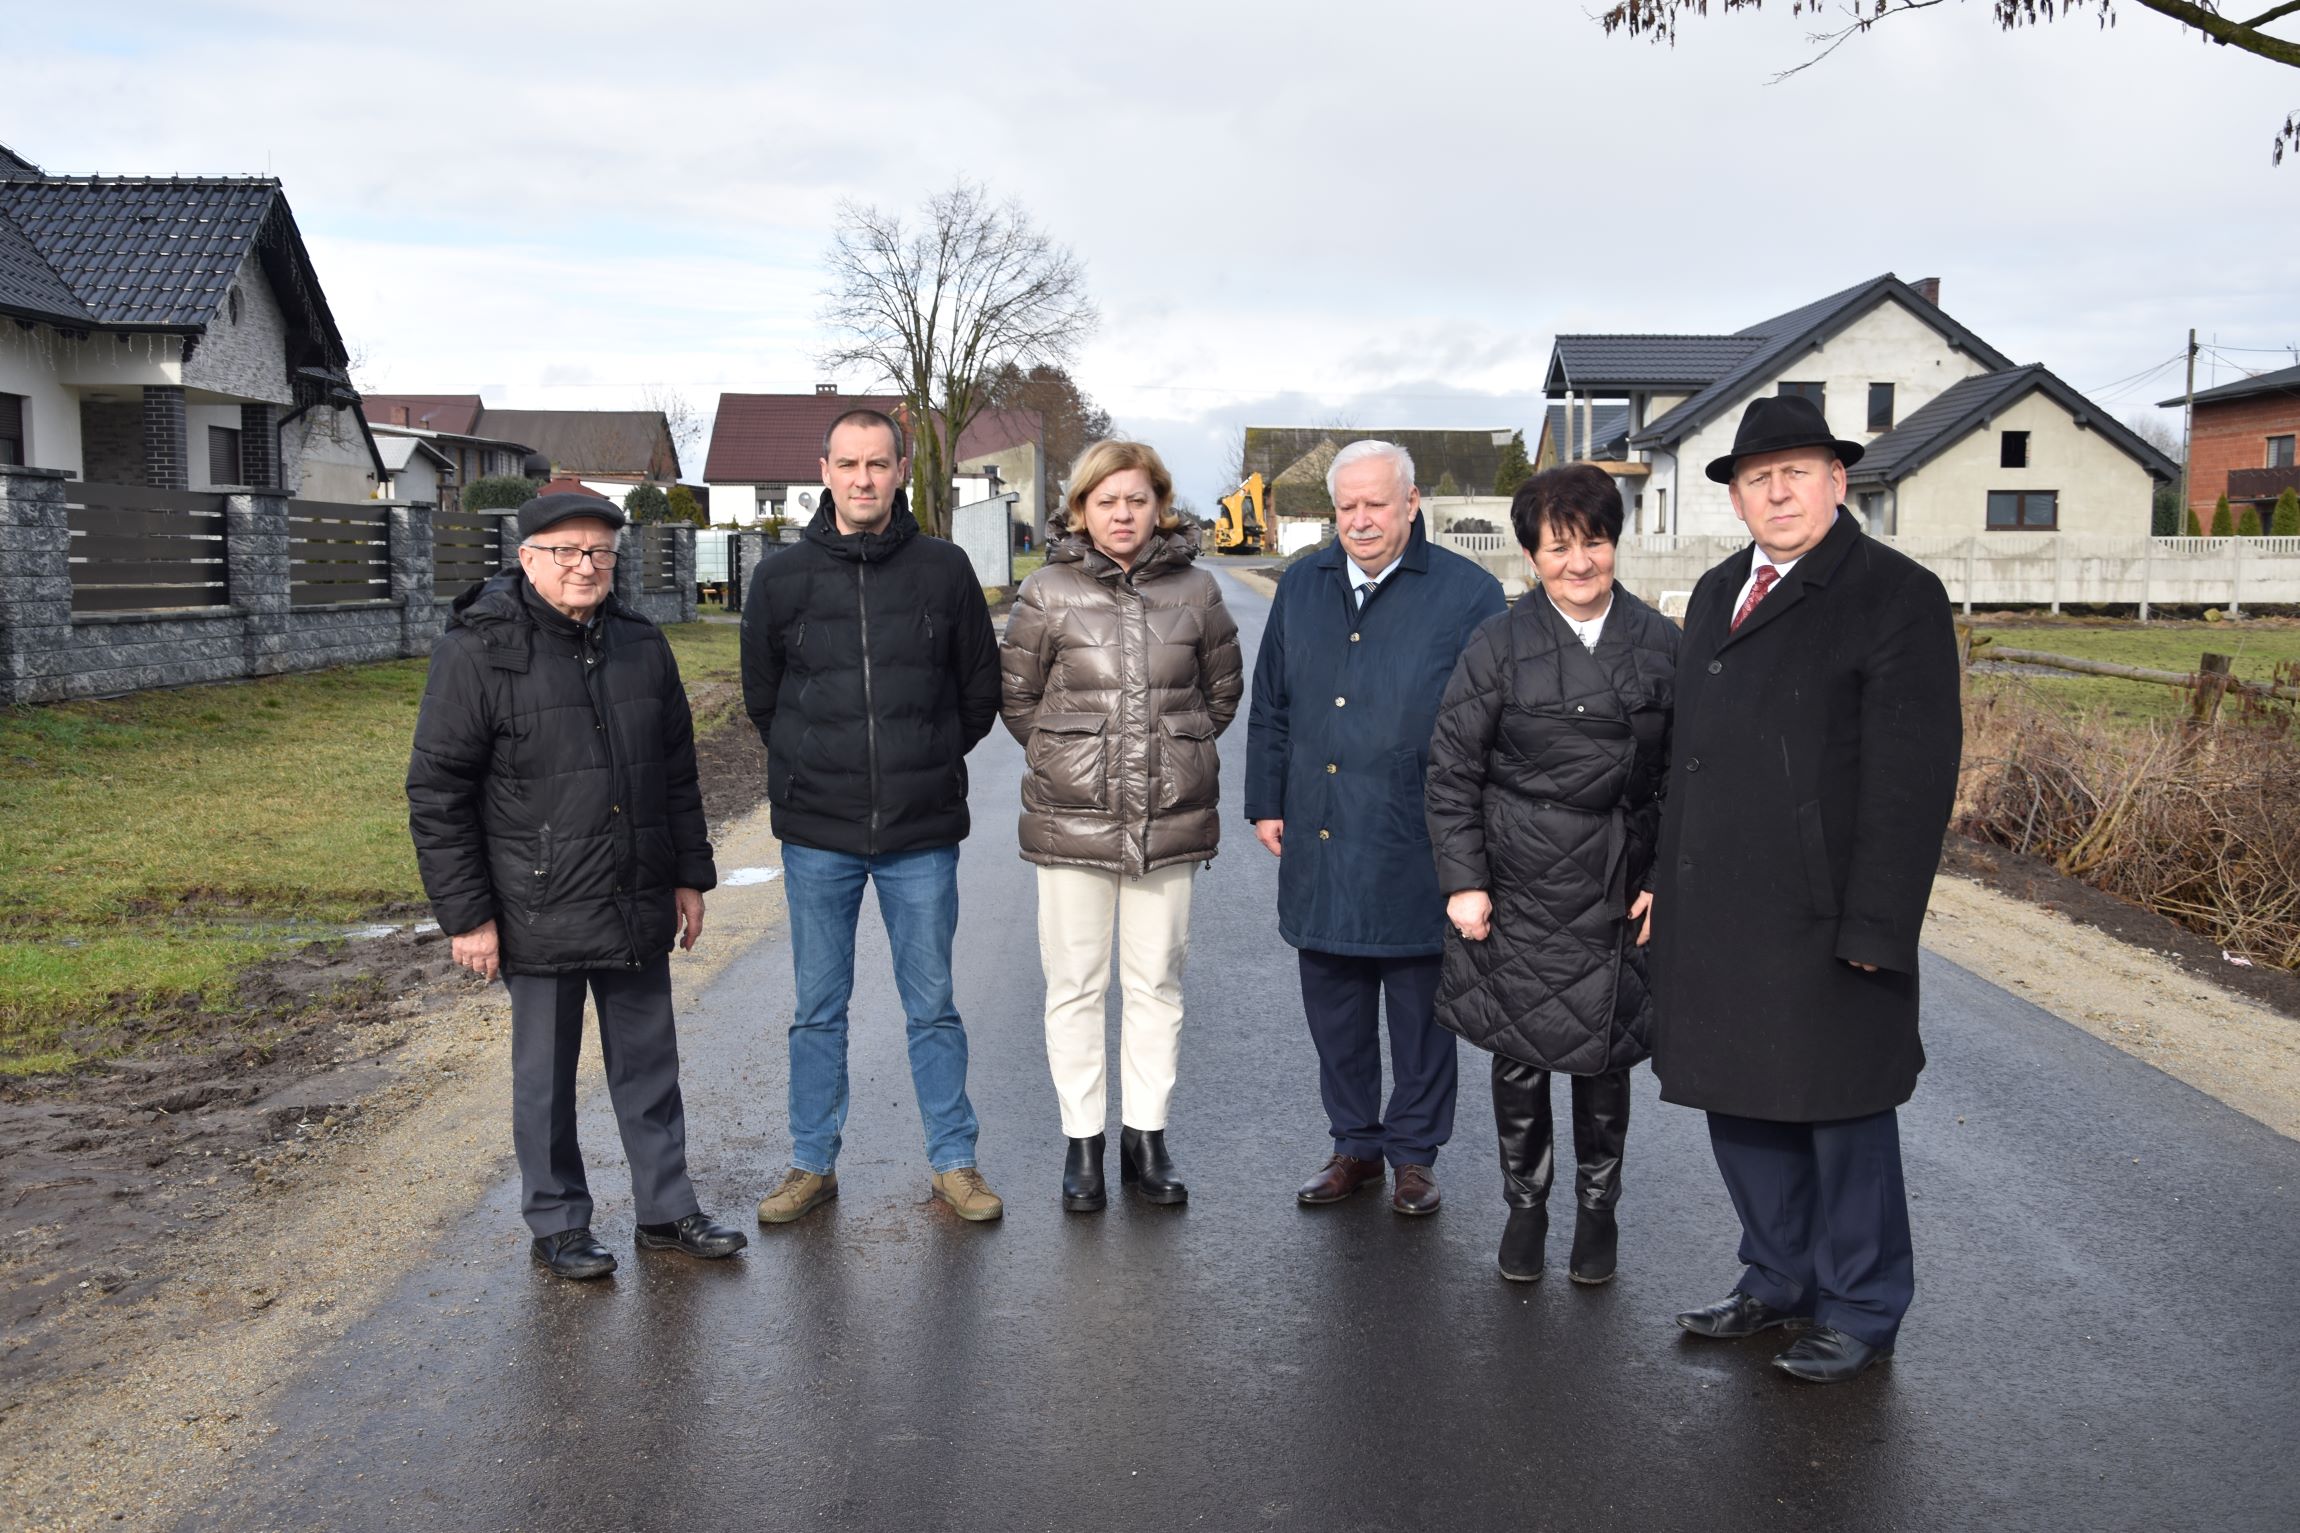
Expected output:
(1075, 907)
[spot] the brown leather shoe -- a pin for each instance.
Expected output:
(1341, 1176)
(1416, 1191)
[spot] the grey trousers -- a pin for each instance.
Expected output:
(641, 1053)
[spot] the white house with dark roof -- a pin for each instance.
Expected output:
(171, 332)
(1960, 440)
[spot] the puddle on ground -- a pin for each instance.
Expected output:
(742, 876)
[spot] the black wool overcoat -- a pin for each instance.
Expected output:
(552, 787)
(870, 669)
(1813, 766)
(1544, 783)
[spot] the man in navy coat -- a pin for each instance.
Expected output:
(1360, 643)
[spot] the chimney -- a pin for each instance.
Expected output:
(1929, 289)
(826, 388)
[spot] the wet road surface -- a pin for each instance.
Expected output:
(2102, 1336)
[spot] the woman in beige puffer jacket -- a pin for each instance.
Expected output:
(1120, 666)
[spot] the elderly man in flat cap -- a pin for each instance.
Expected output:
(1814, 761)
(558, 827)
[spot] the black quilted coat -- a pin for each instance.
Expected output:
(870, 669)
(1544, 791)
(552, 787)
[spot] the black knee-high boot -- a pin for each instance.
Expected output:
(1600, 1135)
(1521, 1118)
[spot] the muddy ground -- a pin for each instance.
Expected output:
(105, 1173)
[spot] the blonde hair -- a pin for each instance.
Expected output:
(1102, 459)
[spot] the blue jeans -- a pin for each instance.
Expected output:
(918, 900)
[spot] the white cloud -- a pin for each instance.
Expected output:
(1347, 210)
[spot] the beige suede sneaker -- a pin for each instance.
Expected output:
(968, 1194)
(801, 1193)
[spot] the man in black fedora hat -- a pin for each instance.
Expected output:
(1815, 749)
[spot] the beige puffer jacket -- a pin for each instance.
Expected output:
(1117, 683)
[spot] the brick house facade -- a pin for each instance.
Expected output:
(2242, 443)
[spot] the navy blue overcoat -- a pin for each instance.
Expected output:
(1338, 741)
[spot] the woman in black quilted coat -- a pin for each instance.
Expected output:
(1545, 783)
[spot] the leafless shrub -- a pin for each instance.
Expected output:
(2198, 824)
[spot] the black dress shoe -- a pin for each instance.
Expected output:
(1596, 1239)
(697, 1235)
(1144, 1165)
(573, 1254)
(1825, 1355)
(1082, 1189)
(1525, 1244)
(1734, 1316)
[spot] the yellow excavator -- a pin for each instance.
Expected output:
(1243, 526)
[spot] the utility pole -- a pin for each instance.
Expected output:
(2187, 434)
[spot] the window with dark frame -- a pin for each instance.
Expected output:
(1880, 407)
(224, 456)
(2024, 511)
(1812, 391)
(2280, 451)
(2014, 451)
(12, 430)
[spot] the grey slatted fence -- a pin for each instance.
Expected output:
(658, 562)
(338, 553)
(467, 546)
(140, 550)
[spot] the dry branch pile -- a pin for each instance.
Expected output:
(2199, 824)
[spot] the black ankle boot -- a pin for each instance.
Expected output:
(1143, 1161)
(1082, 1176)
(1525, 1244)
(1595, 1236)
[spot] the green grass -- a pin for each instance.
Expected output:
(1026, 565)
(2257, 648)
(153, 846)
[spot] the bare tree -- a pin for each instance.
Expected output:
(939, 308)
(680, 418)
(1837, 21)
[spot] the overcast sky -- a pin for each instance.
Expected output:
(1289, 213)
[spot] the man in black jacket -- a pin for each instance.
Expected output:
(558, 827)
(871, 670)
(1813, 765)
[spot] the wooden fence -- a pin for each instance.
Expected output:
(338, 554)
(142, 550)
(466, 546)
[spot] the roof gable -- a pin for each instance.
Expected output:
(592, 441)
(1664, 362)
(1970, 404)
(142, 253)
(1785, 336)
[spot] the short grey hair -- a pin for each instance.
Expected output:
(1358, 452)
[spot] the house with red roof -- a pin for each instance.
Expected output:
(766, 452)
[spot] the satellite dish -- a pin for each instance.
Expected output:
(806, 500)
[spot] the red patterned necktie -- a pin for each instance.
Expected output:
(1764, 583)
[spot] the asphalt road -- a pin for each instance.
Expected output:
(2102, 1336)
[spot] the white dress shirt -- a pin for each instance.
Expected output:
(1361, 582)
(1759, 562)
(1584, 629)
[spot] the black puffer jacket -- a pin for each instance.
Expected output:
(870, 669)
(552, 788)
(1544, 783)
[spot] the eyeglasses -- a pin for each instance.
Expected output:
(568, 555)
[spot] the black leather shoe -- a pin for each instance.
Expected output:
(1144, 1164)
(1082, 1189)
(1736, 1315)
(1525, 1244)
(697, 1235)
(573, 1254)
(1825, 1355)
(1596, 1240)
